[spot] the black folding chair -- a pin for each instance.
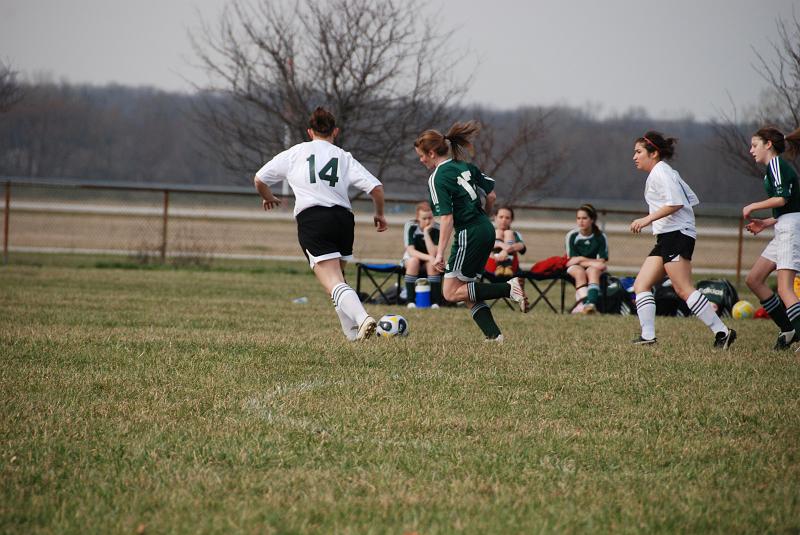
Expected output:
(542, 284)
(383, 274)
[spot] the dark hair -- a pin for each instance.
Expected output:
(655, 141)
(780, 143)
(322, 122)
(592, 213)
(460, 137)
(505, 207)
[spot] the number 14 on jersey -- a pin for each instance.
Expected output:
(329, 172)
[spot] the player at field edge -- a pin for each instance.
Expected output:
(587, 249)
(508, 244)
(319, 174)
(783, 252)
(670, 201)
(454, 188)
(421, 240)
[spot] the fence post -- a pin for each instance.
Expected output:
(739, 254)
(6, 219)
(164, 227)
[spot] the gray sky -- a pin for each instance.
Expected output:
(682, 57)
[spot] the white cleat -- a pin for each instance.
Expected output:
(411, 305)
(518, 294)
(498, 340)
(367, 328)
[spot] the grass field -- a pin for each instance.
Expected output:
(189, 401)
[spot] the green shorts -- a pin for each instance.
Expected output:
(470, 251)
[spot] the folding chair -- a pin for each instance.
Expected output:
(547, 282)
(387, 271)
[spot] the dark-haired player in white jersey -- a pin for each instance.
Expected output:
(670, 202)
(319, 174)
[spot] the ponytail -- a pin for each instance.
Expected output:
(655, 141)
(458, 138)
(788, 143)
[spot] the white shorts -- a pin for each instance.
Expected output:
(784, 249)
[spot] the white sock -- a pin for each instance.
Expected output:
(346, 299)
(581, 293)
(349, 328)
(701, 308)
(646, 310)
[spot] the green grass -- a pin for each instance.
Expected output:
(203, 401)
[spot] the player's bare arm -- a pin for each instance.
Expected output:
(638, 224)
(378, 200)
(268, 199)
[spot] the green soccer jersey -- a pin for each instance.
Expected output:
(455, 188)
(415, 237)
(781, 181)
(592, 246)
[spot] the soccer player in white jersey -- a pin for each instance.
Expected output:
(319, 174)
(783, 252)
(670, 202)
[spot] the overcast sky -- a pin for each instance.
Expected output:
(673, 57)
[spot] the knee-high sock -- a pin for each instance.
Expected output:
(777, 313)
(701, 308)
(593, 293)
(646, 310)
(436, 288)
(349, 327)
(411, 284)
(346, 298)
(581, 292)
(478, 291)
(793, 312)
(482, 315)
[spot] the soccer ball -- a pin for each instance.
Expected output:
(392, 325)
(743, 310)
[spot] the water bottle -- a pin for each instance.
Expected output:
(423, 293)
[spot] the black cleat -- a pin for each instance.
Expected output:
(639, 341)
(781, 344)
(724, 341)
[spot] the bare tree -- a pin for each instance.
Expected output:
(382, 69)
(10, 90)
(523, 156)
(780, 103)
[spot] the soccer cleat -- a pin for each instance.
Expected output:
(724, 341)
(367, 328)
(411, 305)
(589, 309)
(518, 294)
(498, 340)
(434, 306)
(639, 341)
(781, 344)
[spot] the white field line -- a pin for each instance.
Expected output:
(259, 215)
(614, 268)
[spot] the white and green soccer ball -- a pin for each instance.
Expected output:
(392, 325)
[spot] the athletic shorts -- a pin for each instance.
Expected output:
(471, 249)
(326, 232)
(784, 249)
(671, 246)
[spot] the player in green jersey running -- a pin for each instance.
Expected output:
(455, 188)
(783, 252)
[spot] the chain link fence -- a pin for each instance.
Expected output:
(188, 224)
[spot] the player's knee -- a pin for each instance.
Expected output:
(753, 281)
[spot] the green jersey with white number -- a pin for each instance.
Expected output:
(781, 181)
(456, 187)
(591, 246)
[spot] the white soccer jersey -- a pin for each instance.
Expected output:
(319, 174)
(665, 187)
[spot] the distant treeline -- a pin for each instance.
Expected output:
(145, 135)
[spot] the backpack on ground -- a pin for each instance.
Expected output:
(667, 301)
(721, 293)
(616, 300)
